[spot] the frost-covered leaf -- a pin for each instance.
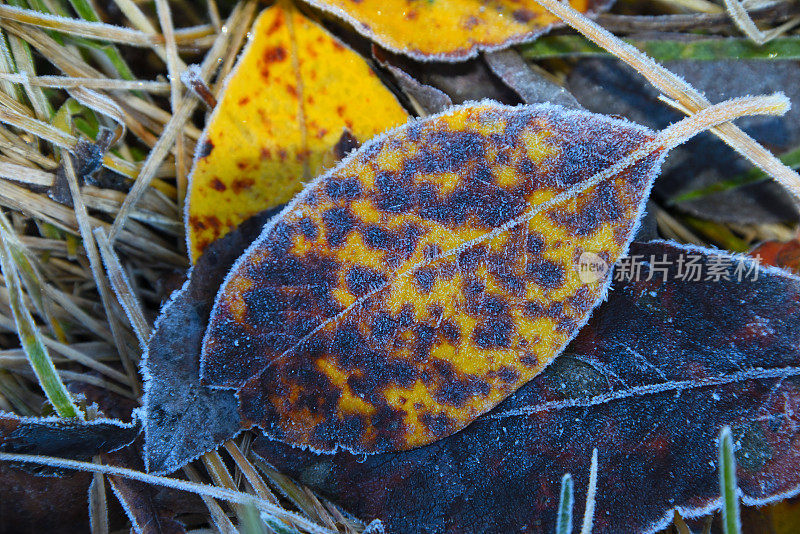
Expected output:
(449, 30)
(66, 438)
(705, 177)
(650, 381)
(531, 83)
(285, 107)
(425, 99)
(427, 277)
(34, 500)
(183, 418)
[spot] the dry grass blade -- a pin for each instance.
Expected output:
(250, 473)
(218, 515)
(237, 40)
(95, 265)
(98, 506)
(6, 67)
(82, 28)
(25, 174)
(678, 89)
(743, 21)
(140, 20)
(78, 356)
(174, 68)
(182, 485)
(57, 137)
(122, 288)
(23, 59)
(221, 477)
(171, 130)
(142, 242)
(36, 127)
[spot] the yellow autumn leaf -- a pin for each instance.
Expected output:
(427, 277)
(294, 93)
(449, 30)
(434, 271)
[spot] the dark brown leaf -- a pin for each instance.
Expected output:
(704, 163)
(65, 438)
(34, 500)
(32, 504)
(530, 83)
(182, 418)
(660, 368)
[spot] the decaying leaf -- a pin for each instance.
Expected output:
(427, 277)
(151, 509)
(31, 504)
(294, 93)
(449, 30)
(784, 255)
(44, 500)
(531, 83)
(650, 381)
(424, 99)
(704, 177)
(183, 418)
(66, 438)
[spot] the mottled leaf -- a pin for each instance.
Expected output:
(286, 105)
(449, 30)
(650, 381)
(700, 177)
(183, 418)
(427, 277)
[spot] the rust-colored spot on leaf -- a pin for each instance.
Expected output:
(264, 145)
(427, 277)
(450, 30)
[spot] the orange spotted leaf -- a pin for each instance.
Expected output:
(449, 30)
(294, 96)
(428, 276)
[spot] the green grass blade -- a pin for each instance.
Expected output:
(86, 11)
(731, 524)
(666, 49)
(31, 338)
(251, 522)
(277, 526)
(790, 158)
(564, 520)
